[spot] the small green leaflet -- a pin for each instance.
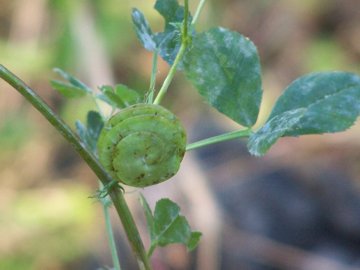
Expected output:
(168, 42)
(316, 103)
(110, 97)
(168, 226)
(73, 88)
(171, 11)
(89, 134)
(68, 90)
(119, 96)
(143, 30)
(225, 68)
(128, 95)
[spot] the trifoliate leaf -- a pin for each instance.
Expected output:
(169, 226)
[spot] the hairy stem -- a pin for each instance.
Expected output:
(116, 194)
(220, 138)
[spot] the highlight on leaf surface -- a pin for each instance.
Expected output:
(323, 102)
(73, 88)
(331, 100)
(142, 145)
(225, 68)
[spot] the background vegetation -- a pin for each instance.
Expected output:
(48, 221)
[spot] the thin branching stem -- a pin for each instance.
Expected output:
(220, 138)
(105, 202)
(170, 75)
(154, 69)
(198, 11)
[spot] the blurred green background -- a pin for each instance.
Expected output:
(47, 220)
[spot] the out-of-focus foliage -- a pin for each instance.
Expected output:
(45, 227)
(14, 131)
(46, 218)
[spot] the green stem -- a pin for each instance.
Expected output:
(106, 202)
(151, 250)
(111, 238)
(220, 138)
(130, 228)
(150, 94)
(180, 54)
(198, 11)
(116, 194)
(170, 75)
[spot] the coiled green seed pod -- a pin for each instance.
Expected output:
(142, 145)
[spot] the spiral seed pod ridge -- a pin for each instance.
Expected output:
(142, 145)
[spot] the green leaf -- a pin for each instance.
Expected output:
(194, 240)
(90, 134)
(261, 141)
(82, 132)
(170, 10)
(331, 100)
(316, 103)
(225, 68)
(68, 90)
(171, 227)
(72, 80)
(127, 95)
(169, 41)
(109, 96)
(95, 124)
(143, 30)
(119, 97)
